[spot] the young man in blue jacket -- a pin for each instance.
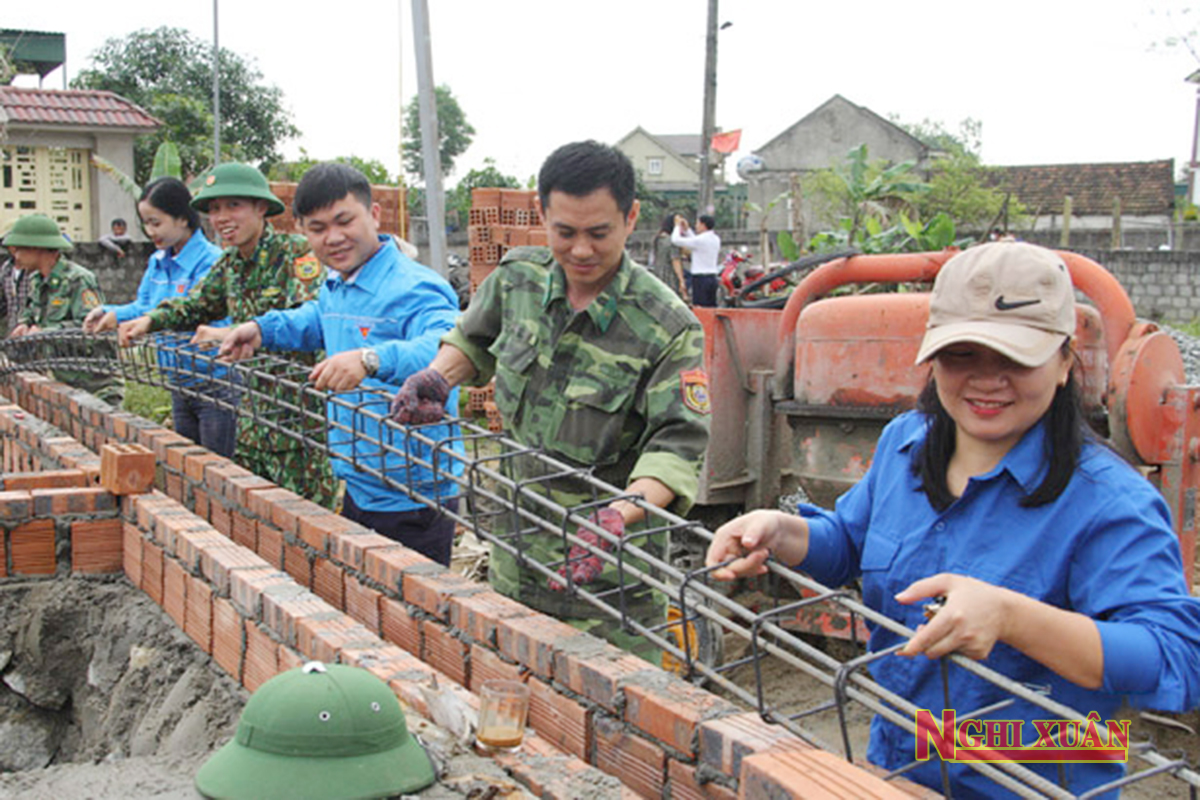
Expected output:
(379, 318)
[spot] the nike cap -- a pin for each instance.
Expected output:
(1013, 297)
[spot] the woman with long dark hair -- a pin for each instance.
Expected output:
(665, 262)
(1056, 560)
(183, 257)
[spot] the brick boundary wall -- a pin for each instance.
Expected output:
(263, 580)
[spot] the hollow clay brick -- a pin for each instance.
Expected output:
(444, 652)
(97, 546)
(557, 718)
(811, 774)
(175, 592)
(198, 619)
(262, 657)
(328, 582)
(48, 479)
(228, 633)
(637, 762)
(362, 603)
(399, 627)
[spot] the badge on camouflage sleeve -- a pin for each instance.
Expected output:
(90, 299)
(306, 268)
(694, 385)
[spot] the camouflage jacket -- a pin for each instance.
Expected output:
(618, 386)
(63, 299)
(280, 273)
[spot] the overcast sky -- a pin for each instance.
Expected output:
(1051, 81)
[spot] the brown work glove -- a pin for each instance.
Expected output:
(422, 398)
(586, 565)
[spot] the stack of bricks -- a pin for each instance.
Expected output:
(500, 219)
(262, 580)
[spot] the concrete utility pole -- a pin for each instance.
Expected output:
(1193, 165)
(435, 201)
(216, 88)
(710, 110)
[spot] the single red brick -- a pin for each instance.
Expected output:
(96, 546)
(244, 531)
(725, 741)
(533, 640)
(444, 652)
(246, 587)
(671, 711)
(148, 506)
(262, 502)
(240, 490)
(127, 469)
(216, 564)
(400, 627)
(174, 451)
(228, 637)
(175, 487)
(195, 462)
(640, 764)
(163, 441)
(557, 718)
(328, 582)
(270, 543)
(152, 571)
(283, 606)
(297, 564)
(220, 516)
(487, 666)
(191, 544)
(262, 657)
(350, 547)
(431, 588)
(289, 658)
(200, 503)
(198, 619)
(479, 615)
(48, 479)
(170, 524)
(286, 514)
(809, 773)
(681, 778)
(315, 529)
(16, 505)
(362, 603)
(33, 548)
(218, 474)
(131, 555)
(323, 639)
(175, 592)
(386, 565)
(593, 668)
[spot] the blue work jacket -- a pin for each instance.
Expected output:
(401, 309)
(168, 276)
(1104, 548)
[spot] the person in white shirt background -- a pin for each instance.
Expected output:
(705, 246)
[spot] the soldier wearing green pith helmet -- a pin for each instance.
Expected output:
(598, 364)
(260, 271)
(61, 293)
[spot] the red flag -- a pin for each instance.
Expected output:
(727, 142)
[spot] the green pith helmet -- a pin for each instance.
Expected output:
(236, 180)
(36, 230)
(327, 732)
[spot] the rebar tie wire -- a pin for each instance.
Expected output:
(275, 394)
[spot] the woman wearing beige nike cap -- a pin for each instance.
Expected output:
(1056, 560)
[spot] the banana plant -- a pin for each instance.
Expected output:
(167, 164)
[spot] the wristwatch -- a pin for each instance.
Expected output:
(370, 361)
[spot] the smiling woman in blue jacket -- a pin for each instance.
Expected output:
(183, 257)
(1057, 561)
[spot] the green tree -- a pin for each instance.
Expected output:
(455, 134)
(960, 186)
(168, 72)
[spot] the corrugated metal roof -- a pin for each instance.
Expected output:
(74, 108)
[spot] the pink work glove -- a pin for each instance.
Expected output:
(586, 565)
(422, 398)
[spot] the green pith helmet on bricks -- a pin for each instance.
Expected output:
(236, 180)
(36, 230)
(323, 731)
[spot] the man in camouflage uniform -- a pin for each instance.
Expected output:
(61, 293)
(260, 271)
(598, 364)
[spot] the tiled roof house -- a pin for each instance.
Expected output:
(46, 164)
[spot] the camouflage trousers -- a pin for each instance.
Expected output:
(303, 470)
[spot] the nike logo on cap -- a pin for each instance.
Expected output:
(1002, 305)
